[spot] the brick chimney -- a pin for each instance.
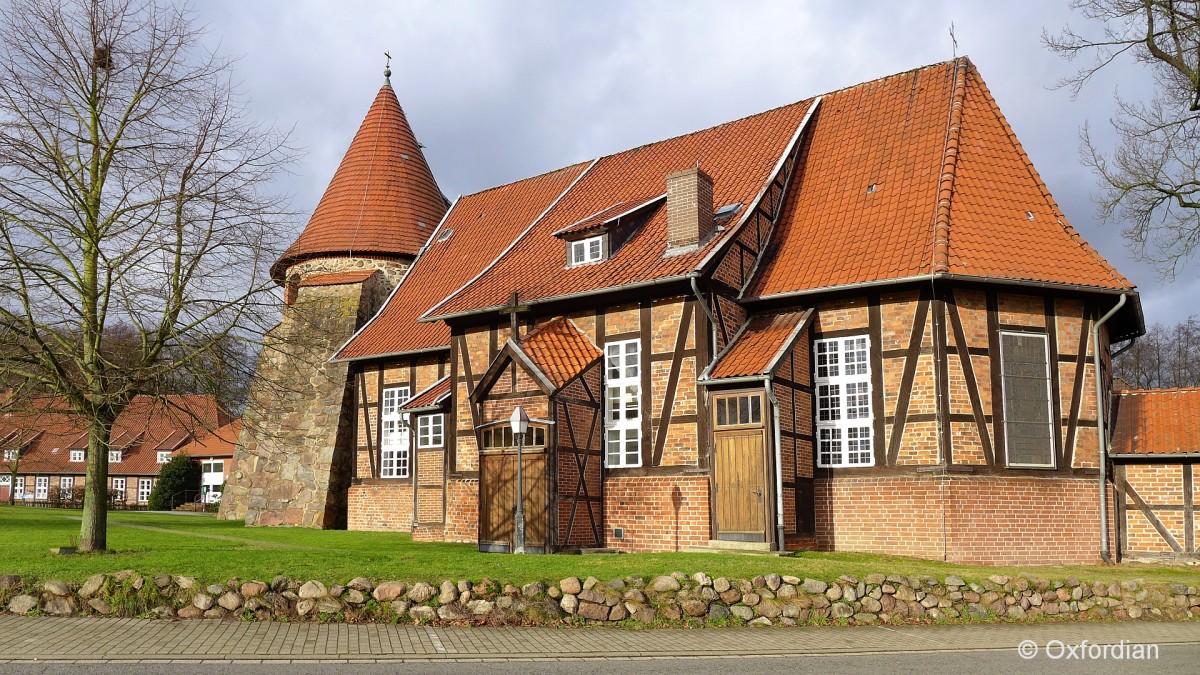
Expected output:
(689, 207)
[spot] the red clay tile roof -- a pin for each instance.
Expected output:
(429, 397)
(383, 198)
(219, 442)
(864, 200)
(738, 155)
(338, 278)
(1156, 422)
(480, 226)
(145, 424)
(560, 350)
(757, 346)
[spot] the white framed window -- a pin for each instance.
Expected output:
(844, 415)
(585, 251)
(393, 398)
(145, 485)
(623, 404)
(77, 455)
(212, 476)
(66, 483)
(10, 454)
(19, 487)
(1028, 417)
(41, 487)
(164, 456)
(114, 456)
(118, 489)
(431, 430)
(393, 446)
(5, 480)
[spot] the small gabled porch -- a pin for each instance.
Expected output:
(761, 465)
(554, 375)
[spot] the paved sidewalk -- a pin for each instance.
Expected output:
(24, 639)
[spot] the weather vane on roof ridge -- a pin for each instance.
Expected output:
(387, 68)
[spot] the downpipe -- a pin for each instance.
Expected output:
(1101, 428)
(775, 428)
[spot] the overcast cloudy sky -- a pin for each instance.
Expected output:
(499, 90)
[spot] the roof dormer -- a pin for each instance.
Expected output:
(599, 236)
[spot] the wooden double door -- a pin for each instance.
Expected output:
(498, 502)
(742, 492)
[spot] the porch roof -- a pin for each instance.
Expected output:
(431, 397)
(758, 346)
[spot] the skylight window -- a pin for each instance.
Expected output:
(446, 234)
(727, 210)
(584, 251)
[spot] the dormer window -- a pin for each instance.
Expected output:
(584, 251)
(114, 455)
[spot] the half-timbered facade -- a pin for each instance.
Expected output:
(856, 322)
(1155, 450)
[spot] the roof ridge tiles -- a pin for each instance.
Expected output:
(945, 196)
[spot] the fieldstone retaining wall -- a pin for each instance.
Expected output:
(676, 599)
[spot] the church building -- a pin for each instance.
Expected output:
(857, 322)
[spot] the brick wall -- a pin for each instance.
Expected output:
(991, 520)
(657, 513)
(462, 512)
(1161, 487)
(382, 507)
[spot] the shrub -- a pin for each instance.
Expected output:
(178, 482)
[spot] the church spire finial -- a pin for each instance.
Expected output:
(387, 68)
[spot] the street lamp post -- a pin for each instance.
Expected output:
(520, 424)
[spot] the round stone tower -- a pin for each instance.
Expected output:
(294, 460)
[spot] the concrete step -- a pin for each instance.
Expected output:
(728, 545)
(739, 548)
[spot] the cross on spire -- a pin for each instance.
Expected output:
(387, 68)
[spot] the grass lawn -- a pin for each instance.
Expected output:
(215, 550)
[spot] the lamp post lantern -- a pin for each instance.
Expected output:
(520, 424)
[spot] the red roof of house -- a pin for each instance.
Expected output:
(148, 425)
(430, 396)
(876, 161)
(758, 345)
(338, 278)
(560, 350)
(220, 442)
(383, 199)
(1156, 422)
(474, 233)
(739, 156)
(864, 200)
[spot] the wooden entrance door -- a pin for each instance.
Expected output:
(740, 468)
(498, 502)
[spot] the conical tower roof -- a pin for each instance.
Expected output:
(383, 199)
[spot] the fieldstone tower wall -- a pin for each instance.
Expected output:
(295, 458)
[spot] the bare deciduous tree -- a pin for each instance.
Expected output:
(1166, 356)
(137, 220)
(1151, 180)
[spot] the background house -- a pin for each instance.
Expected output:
(48, 447)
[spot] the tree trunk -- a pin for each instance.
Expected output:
(93, 533)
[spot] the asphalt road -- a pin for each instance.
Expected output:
(1171, 659)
